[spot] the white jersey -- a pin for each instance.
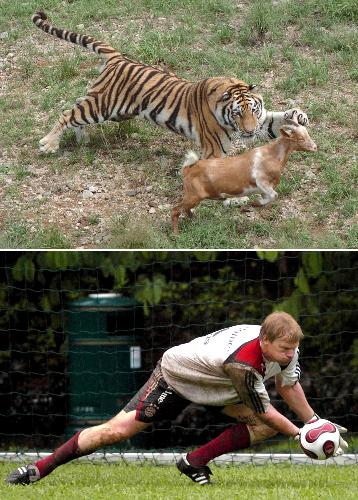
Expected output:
(225, 367)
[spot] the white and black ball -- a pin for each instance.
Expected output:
(320, 439)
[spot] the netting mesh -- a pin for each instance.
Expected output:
(69, 360)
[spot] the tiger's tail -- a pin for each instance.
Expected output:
(100, 48)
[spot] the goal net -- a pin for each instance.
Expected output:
(80, 332)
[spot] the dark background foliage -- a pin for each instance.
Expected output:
(184, 294)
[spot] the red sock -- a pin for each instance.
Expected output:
(234, 438)
(65, 453)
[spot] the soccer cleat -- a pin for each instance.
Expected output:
(200, 475)
(23, 475)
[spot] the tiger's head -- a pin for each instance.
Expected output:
(238, 108)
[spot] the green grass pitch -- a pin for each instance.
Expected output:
(121, 481)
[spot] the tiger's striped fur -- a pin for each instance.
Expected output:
(208, 111)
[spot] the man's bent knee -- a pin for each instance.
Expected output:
(260, 432)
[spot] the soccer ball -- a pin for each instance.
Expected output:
(319, 440)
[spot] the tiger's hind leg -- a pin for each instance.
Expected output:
(82, 136)
(84, 112)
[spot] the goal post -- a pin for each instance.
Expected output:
(170, 458)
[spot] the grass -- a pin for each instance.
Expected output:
(305, 74)
(300, 53)
(120, 481)
(18, 235)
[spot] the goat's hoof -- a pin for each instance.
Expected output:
(246, 209)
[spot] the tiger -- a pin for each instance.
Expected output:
(209, 112)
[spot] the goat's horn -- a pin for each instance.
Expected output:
(292, 122)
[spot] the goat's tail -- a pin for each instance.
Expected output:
(190, 158)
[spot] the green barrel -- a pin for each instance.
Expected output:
(104, 357)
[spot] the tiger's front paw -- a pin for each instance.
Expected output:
(49, 145)
(297, 115)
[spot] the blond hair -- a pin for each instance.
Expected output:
(281, 324)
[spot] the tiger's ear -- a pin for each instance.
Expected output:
(226, 96)
(252, 86)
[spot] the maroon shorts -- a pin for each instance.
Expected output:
(156, 400)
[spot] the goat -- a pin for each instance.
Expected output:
(255, 171)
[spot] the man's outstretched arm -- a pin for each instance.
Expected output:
(296, 400)
(279, 422)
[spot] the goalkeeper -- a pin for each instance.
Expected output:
(226, 370)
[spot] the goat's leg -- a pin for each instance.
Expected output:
(175, 216)
(193, 194)
(189, 205)
(268, 194)
(183, 208)
(188, 212)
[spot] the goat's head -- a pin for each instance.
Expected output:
(298, 135)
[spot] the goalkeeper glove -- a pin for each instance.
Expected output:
(343, 445)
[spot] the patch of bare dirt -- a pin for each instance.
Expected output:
(82, 202)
